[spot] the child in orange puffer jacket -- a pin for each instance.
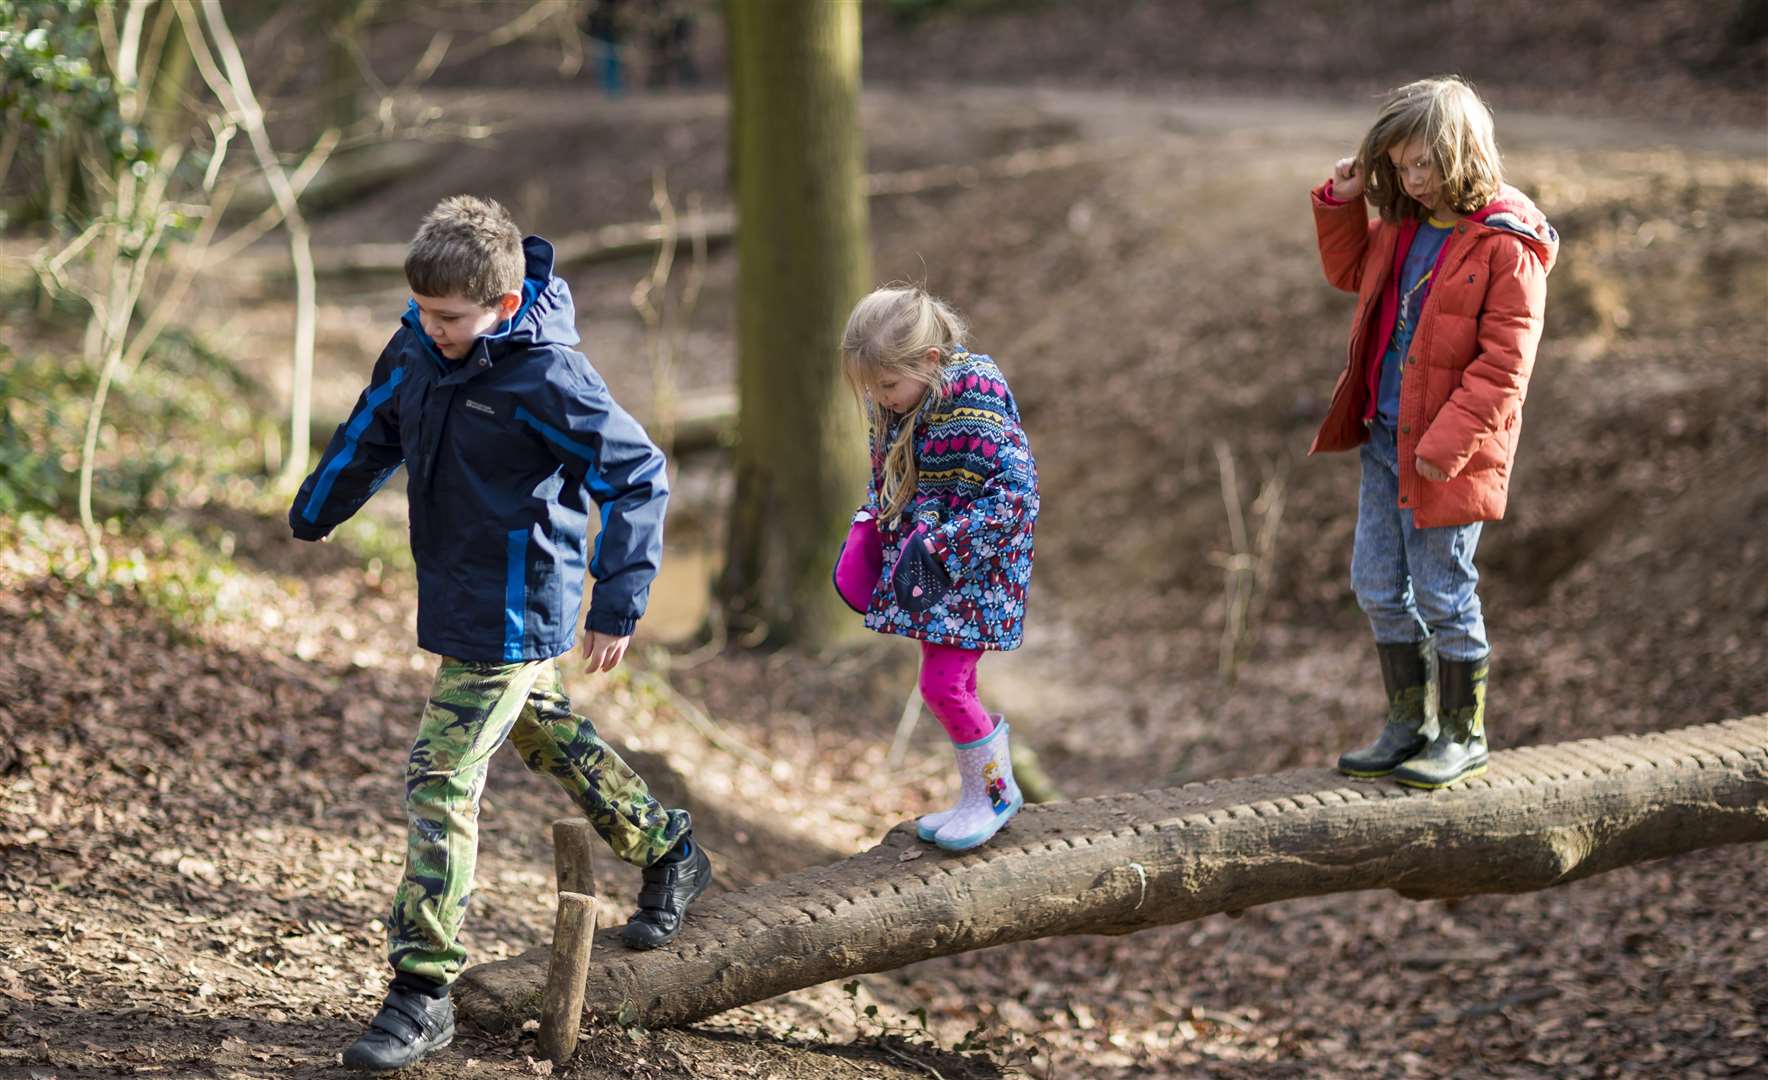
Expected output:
(1451, 284)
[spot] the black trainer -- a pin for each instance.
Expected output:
(671, 884)
(410, 1025)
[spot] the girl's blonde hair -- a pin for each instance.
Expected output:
(1456, 129)
(890, 332)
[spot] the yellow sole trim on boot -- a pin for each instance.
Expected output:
(1362, 775)
(1425, 785)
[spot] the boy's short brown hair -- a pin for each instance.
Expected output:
(468, 247)
(1455, 126)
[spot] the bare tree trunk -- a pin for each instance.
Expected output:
(1541, 816)
(802, 262)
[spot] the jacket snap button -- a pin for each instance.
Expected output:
(1404, 500)
(1406, 430)
(484, 362)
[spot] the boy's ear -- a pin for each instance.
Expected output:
(507, 304)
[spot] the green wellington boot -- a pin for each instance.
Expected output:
(1459, 750)
(1405, 671)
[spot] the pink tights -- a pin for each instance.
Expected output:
(948, 686)
(948, 673)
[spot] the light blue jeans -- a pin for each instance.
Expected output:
(1412, 582)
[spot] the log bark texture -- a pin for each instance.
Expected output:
(1541, 816)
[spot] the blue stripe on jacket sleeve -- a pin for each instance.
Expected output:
(352, 435)
(515, 595)
(598, 487)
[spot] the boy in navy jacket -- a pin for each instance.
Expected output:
(510, 438)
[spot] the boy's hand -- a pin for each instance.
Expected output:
(1347, 179)
(602, 652)
(1429, 471)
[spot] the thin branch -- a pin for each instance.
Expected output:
(126, 290)
(697, 719)
(517, 27)
(235, 92)
(649, 298)
(426, 65)
(570, 42)
(127, 67)
(52, 267)
(1235, 567)
(905, 725)
(156, 49)
(107, 32)
(894, 1052)
(271, 217)
(185, 274)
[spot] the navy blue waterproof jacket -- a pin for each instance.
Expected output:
(506, 450)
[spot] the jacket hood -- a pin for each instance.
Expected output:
(546, 315)
(1515, 213)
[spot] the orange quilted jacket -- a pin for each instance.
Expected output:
(1467, 370)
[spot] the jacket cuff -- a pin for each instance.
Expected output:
(1324, 196)
(942, 550)
(304, 531)
(604, 622)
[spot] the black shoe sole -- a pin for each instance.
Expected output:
(376, 1068)
(1366, 774)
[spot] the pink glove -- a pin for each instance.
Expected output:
(860, 565)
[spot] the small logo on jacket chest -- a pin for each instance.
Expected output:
(480, 407)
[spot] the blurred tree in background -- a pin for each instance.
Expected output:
(799, 169)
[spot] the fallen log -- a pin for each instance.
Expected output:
(1541, 816)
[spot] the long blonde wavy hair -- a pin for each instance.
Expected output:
(1455, 126)
(891, 331)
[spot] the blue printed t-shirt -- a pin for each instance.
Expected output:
(1414, 287)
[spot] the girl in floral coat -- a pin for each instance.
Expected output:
(941, 550)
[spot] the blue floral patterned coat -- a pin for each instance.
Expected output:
(977, 495)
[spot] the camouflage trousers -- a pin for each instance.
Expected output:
(472, 709)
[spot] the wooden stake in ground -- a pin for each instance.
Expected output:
(561, 1012)
(573, 842)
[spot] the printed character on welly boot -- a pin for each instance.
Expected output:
(509, 436)
(1451, 278)
(996, 786)
(941, 551)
